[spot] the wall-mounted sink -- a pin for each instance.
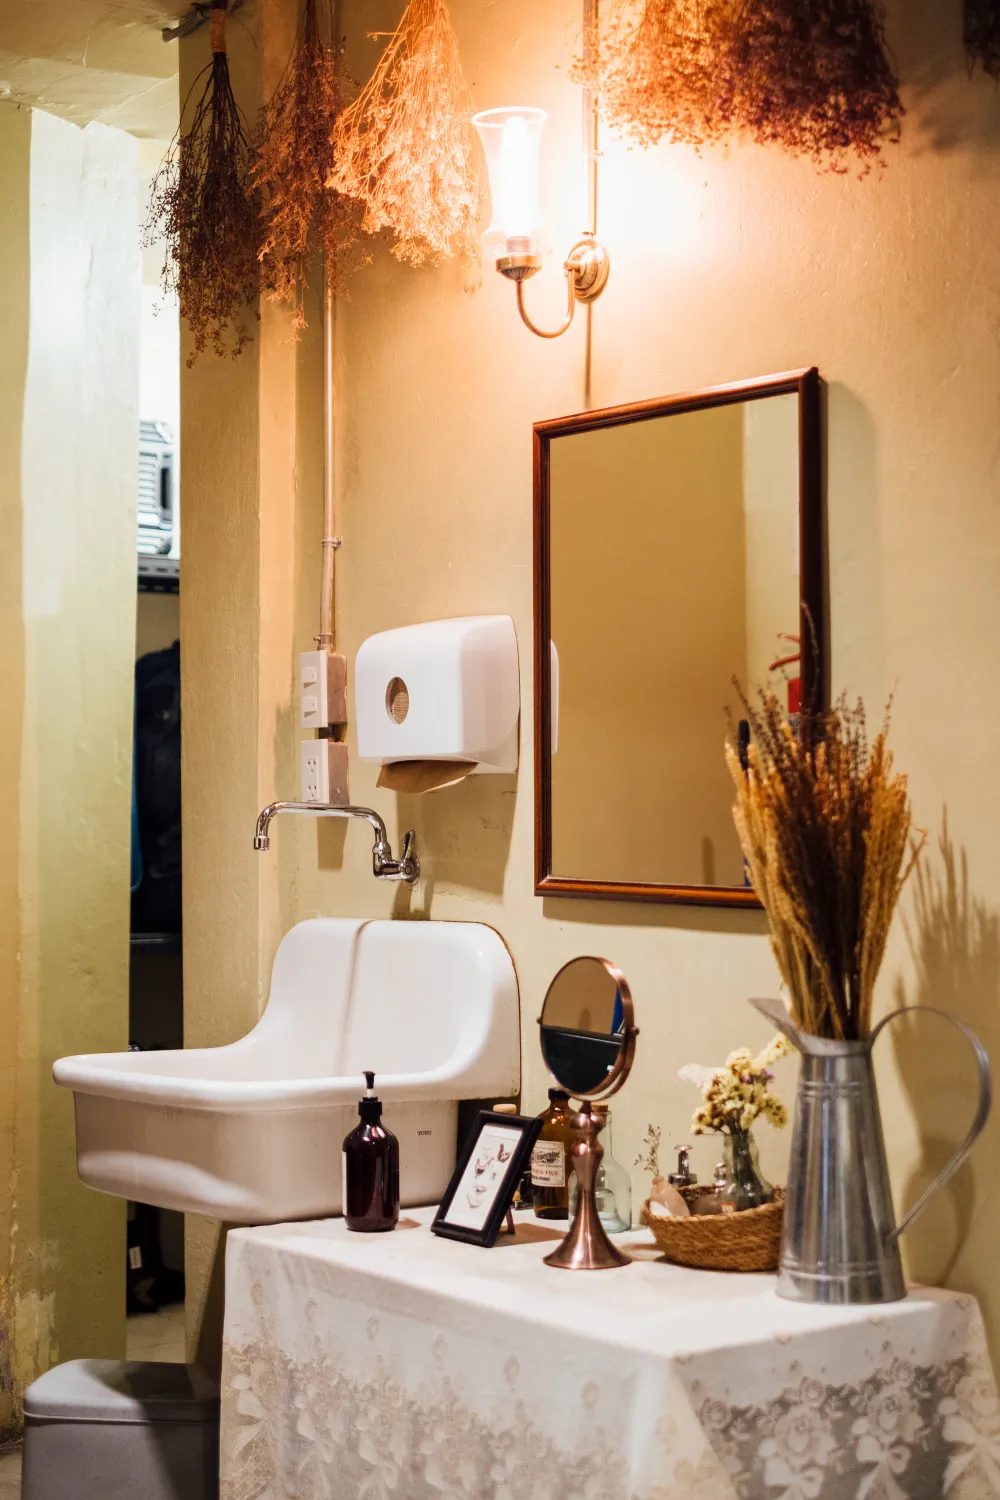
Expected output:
(251, 1133)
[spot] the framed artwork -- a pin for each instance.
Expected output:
(490, 1166)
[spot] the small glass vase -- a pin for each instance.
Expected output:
(612, 1190)
(745, 1186)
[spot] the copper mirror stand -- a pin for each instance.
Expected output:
(587, 1246)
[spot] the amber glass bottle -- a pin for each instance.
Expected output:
(550, 1159)
(371, 1169)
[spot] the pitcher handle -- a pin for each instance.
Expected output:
(982, 1111)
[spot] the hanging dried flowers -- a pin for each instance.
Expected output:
(202, 204)
(404, 149)
(810, 75)
(658, 73)
(300, 216)
(813, 76)
(982, 35)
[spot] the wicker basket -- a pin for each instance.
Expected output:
(747, 1241)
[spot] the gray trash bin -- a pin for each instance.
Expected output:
(104, 1429)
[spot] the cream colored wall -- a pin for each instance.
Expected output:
(728, 265)
(648, 615)
(69, 386)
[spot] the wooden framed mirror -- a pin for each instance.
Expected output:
(679, 544)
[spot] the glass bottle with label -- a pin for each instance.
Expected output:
(550, 1161)
(612, 1189)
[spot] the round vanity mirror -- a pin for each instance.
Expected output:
(588, 1036)
(587, 1029)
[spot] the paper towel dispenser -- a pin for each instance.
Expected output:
(444, 695)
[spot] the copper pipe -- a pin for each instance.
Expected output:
(331, 541)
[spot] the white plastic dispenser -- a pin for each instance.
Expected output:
(438, 701)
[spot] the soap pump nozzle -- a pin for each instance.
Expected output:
(683, 1177)
(370, 1107)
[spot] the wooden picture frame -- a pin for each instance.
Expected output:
(806, 385)
(458, 1217)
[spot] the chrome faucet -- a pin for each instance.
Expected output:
(384, 867)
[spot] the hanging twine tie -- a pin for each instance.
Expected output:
(218, 28)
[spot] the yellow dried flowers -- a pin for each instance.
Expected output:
(740, 1092)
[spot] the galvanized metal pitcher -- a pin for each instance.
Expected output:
(840, 1241)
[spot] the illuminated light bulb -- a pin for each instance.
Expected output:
(511, 140)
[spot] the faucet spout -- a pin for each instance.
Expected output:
(384, 866)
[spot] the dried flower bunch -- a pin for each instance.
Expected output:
(982, 35)
(739, 1093)
(404, 148)
(203, 204)
(300, 216)
(658, 72)
(810, 75)
(825, 825)
(813, 76)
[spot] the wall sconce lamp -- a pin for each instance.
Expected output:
(511, 139)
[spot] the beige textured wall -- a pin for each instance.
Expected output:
(730, 265)
(69, 306)
(649, 618)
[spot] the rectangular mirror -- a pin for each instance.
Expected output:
(678, 545)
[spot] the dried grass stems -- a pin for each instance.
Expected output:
(658, 72)
(981, 32)
(404, 148)
(203, 205)
(826, 828)
(301, 218)
(812, 76)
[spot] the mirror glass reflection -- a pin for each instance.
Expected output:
(584, 1026)
(673, 568)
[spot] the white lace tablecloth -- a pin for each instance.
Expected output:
(406, 1367)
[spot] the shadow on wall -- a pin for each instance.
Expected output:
(945, 105)
(954, 941)
(683, 918)
(463, 835)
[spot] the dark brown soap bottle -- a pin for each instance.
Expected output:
(550, 1159)
(371, 1169)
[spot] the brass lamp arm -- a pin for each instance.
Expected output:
(551, 333)
(586, 267)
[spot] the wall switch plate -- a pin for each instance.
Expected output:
(322, 689)
(324, 772)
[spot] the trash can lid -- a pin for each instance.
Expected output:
(116, 1390)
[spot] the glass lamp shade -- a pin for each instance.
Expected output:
(511, 138)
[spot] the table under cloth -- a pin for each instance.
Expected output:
(407, 1367)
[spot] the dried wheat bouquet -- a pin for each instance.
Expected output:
(404, 147)
(826, 828)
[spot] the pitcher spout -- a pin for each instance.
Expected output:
(776, 1011)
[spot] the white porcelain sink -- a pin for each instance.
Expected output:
(251, 1133)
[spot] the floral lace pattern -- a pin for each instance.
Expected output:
(340, 1384)
(311, 1432)
(905, 1433)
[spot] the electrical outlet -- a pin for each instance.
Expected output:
(324, 772)
(315, 771)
